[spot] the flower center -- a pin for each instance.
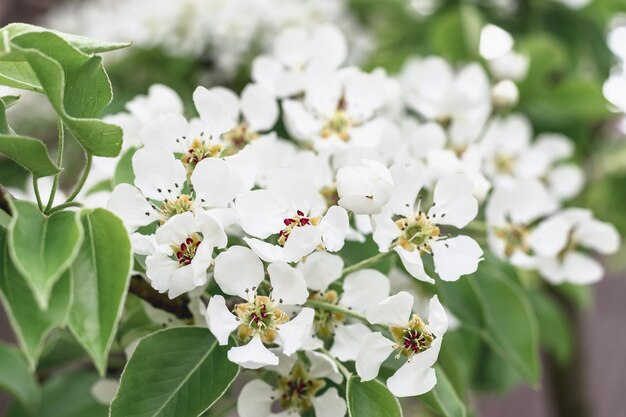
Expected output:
(198, 150)
(412, 339)
(238, 137)
(180, 204)
(187, 250)
(259, 316)
(325, 321)
(415, 232)
(298, 389)
(298, 220)
(338, 124)
(514, 237)
(330, 194)
(504, 163)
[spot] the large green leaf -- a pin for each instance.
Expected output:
(186, 371)
(16, 378)
(371, 399)
(443, 399)
(65, 395)
(455, 34)
(19, 74)
(554, 326)
(42, 247)
(101, 273)
(76, 85)
(30, 323)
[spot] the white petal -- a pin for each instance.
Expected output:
(582, 269)
(301, 242)
(266, 251)
(255, 399)
(245, 163)
(159, 270)
(183, 280)
(329, 48)
(300, 124)
(437, 317)
(291, 47)
(454, 203)
(385, 230)
(294, 333)
(550, 236)
(158, 174)
(260, 214)
(259, 107)
(214, 111)
(349, 340)
(131, 206)
(253, 355)
(166, 131)
(230, 99)
(334, 226)
(455, 257)
(215, 183)
(320, 269)
(407, 182)
(376, 349)
(392, 310)
(329, 404)
(411, 380)
(412, 262)
(322, 366)
(212, 230)
(364, 288)
(266, 70)
(294, 190)
(176, 229)
(220, 320)
(238, 269)
(288, 285)
(599, 236)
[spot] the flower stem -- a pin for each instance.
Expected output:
(81, 183)
(37, 195)
(64, 206)
(335, 308)
(55, 182)
(365, 263)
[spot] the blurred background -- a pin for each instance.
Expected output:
(575, 84)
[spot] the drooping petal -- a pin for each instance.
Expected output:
(259, 107)
(288, 285)
(334, 227)
(454, 203)
(437, 317)
(412, 262)
(411, 380)
(455, 257)
(158, 174)
(392, 310)
(131, 206)
(582, 269)
(364, 288)
(266, 251)
(215, 183)
(253, 355)
(255, 399)
(348, 341)
(220, 320)
(294, 333)
(320, 269)
(238, 269)
(385, 230)
(329, 404)
(599, 236)
(376, 349)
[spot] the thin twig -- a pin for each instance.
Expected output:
(81, 183)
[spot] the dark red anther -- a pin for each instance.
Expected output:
(288, 221)
(189, 241)
(179, 254)
(305, 221)
(300, 213)
(183, 247)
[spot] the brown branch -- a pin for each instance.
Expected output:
(179, 306)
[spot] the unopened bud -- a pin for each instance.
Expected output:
(505, 94)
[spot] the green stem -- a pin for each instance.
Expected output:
(64, 206)
(335, 308)
(476, 226)
(55, 183)
(37, 195)
(366, 262)
(81, 183)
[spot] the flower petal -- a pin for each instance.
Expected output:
(412, 262)
(220, 320)
(215, 183)
(214, 111)
(334, 226)
(238, 269)
(454, 203)
(455, 257)
(411, 380)
(394, 310)
(259, 107)
(288, 285)
(348, 341)
(253, 355)
(364, 288)
(255, 399)
(376, 349)
(329, 404)
(320, 269)
(158, 174)
(131, 206)
(294, 333)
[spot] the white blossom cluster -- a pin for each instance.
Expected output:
(222, 32)
(257, 196)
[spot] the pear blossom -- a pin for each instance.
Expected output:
(297, 390)
(259, 320)
(413, 339)
(405, 228)
(292, 209)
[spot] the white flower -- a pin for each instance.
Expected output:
(364, 189)
(339, 111)
(404, 228)
(260, 320)
(513, 66)
(184, 253)
(299, 56)
(292, 208)
(557, 242)
(361, 290)
(159, 100)
(297, 390)
(415, 340)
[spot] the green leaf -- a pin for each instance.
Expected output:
(554, 326)
(511, 325)
(456, 33)
(77, 86)
(186, 370)
(16, 378)
(30, 153)
(371, 399)
(101, 274)
(31, 323)
(86, 45)
(66, 395)
(42, 247)
(443, 399)
(9, 101)
(124, 173)
(18, 74)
